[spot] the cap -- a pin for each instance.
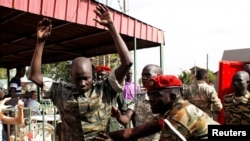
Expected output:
(102, 68)
(163, 81)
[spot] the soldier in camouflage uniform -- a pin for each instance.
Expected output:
(178, 118)
(203, 95)
(102, 73)
(84, 107)
(237, 105)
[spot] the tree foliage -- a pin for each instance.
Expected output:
(211, 77)
(59, 71)
(114, 60)
(3, 73)
(185, 77)
(110, 60)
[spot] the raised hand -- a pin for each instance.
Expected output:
(20, 103)
(44, 28)
(2, 104)
(104, 16)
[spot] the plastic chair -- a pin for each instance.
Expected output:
(34, 132)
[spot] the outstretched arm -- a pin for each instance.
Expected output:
(12, 120)
(43, 31)
(123, 119)
(106, 20)
(143, 130)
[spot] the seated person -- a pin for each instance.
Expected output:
(33, 104)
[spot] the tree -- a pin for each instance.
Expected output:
(211, 77)
(185, 77)
(59, 71)
(110, 60)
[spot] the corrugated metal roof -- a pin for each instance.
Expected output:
(74, 33)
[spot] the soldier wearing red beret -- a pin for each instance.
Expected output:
(178, 120)
(103, 68)
(102, 72)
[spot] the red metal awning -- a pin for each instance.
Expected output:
(74, 31)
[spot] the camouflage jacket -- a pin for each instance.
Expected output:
(84, 116)
(237, 109)
(203, 96)
(189, 120)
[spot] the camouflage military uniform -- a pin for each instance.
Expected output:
(203, 96)
(189, 120)
(143, 114)
(84, 115)
(237, 109)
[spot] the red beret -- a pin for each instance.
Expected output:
(163, 81)
(102, 68)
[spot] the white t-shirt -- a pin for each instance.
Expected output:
(33, 105)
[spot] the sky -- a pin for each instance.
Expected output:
(196, 31)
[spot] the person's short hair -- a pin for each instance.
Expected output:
(32, 93)
(201, 74)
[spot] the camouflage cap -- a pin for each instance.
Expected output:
(102, 68)
(163, 81)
